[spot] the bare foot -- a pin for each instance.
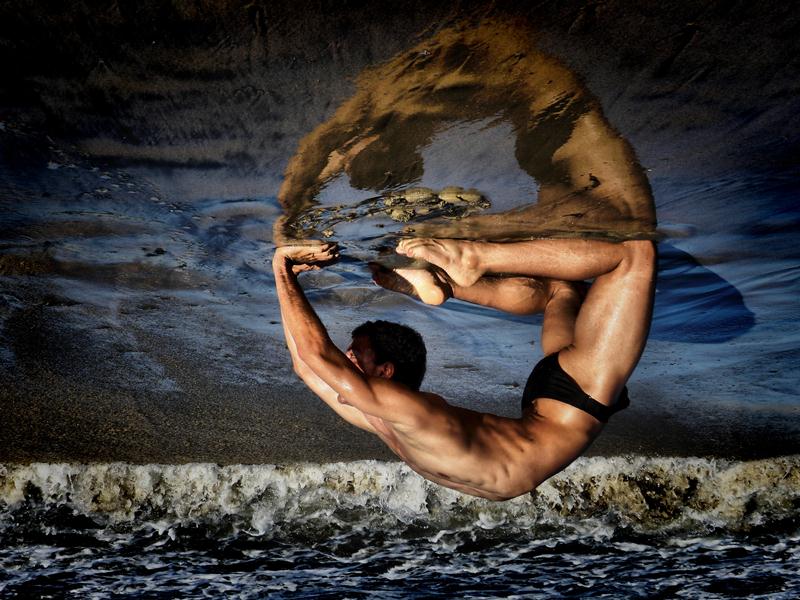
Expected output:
(417, 283)
(456, 258)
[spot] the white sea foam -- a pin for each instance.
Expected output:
(598, 494)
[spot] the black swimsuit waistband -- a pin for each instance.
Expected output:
(549, 380)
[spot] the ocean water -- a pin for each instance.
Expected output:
(154, 442)
(606, 527)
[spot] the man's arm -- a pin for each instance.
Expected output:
(314, 350)
(325, 392)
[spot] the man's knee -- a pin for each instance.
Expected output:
(571, 291)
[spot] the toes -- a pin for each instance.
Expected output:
(412, 247)
(423, 285)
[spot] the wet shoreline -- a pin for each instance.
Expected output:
(78, 405)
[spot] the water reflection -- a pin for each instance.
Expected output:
(455, 91)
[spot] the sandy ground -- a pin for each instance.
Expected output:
(177, 382)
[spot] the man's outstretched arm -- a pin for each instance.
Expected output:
(314, 350)
(325, 392)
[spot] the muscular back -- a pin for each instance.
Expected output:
(478, 453)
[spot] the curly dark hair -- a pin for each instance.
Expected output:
(399, 345)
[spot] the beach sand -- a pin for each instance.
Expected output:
(180, 384)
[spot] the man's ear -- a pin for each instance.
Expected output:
(386, 370)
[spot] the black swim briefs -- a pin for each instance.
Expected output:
(549, 380)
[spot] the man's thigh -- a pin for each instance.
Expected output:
(612, 325)
(560, 315)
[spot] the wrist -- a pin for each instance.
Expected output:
(281, 262)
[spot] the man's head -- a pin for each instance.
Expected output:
(389, 350)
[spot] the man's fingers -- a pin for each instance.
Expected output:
(319, 252)
(303, 268)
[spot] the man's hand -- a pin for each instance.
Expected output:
(305, 257)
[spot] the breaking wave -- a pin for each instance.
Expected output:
(640, 495)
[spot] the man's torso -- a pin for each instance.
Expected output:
(498, 457)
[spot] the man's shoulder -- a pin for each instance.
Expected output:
(388, 388)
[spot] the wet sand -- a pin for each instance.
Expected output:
(173, 382)
(55, 421)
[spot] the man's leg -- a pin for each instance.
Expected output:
(561, 314)
(613, 322)
(558, 300)
(426, 285)
(515, 295)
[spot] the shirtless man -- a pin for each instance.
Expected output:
(591, 348)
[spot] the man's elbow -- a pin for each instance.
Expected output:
(300, 369)
(310, 353)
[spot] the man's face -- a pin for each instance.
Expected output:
(362, 356)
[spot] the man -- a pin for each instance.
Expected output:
(591, 347)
